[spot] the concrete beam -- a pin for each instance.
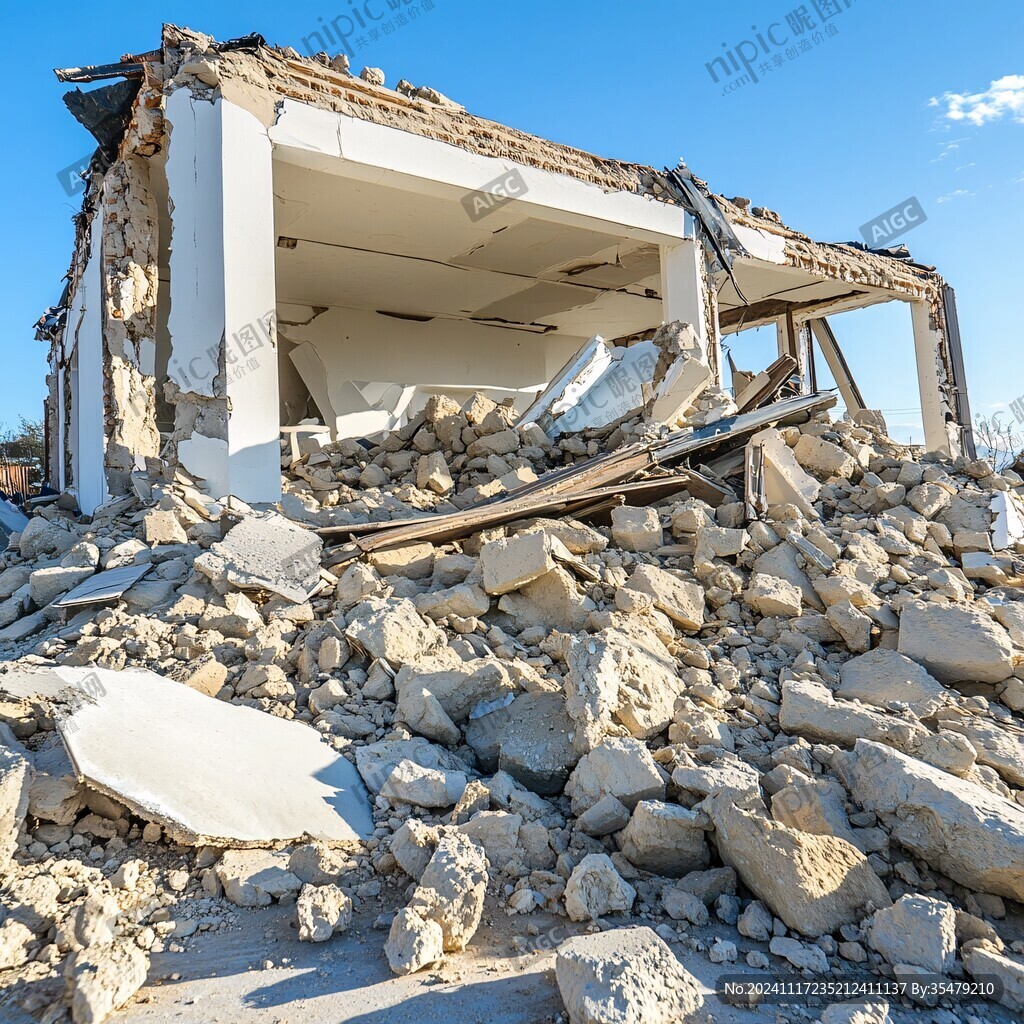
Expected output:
(336, 143)
(837, 364)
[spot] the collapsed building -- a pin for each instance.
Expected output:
(552, 646)
(268, 243)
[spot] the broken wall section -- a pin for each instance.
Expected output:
(130, 284)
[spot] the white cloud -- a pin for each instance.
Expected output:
(948, 147)
(1004, 97)
(957, 193)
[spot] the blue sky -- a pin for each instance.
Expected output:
(831, 137)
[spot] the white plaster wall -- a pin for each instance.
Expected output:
(683, 291)
(195, 184)
(938, 435)
(57, 471)
(365, 346)
(250, 306)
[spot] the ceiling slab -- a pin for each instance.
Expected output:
(532, 247)
(640, 266)
(540, 300)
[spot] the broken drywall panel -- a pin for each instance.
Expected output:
(206, 459)
(342, 144)
(269, 552)
(569, 385)
(211, 773)
(623, 387)
(783, 479)
(351, 408)
(604, 383)
(1008, 524)
(105, 587)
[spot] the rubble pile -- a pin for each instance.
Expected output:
(789, 740)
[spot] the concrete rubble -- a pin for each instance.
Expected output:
(682, 730)
(694, 682)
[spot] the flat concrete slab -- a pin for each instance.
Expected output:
(210, 772)
(269, 552)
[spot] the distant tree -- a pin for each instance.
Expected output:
(24, 446)
(997, 440)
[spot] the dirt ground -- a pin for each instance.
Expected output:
(223, 979)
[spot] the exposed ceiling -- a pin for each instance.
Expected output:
(364, 246)
(354, 244)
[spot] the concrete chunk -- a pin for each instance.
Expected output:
(958, 827)
(681, 600)
(955, 643)
(636, 529)
(392, 629)
(626, 976)
(823, 459)
(622, 768)
(916, 930)
(595, 888)
(512, 562)
(882, 677)
(665, 839)
(322, 911)
(813, 883)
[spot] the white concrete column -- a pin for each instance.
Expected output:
(222, 321)
(685, 296)
(940, 433)
(85, 337)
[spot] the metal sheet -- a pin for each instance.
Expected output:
(105, 586)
